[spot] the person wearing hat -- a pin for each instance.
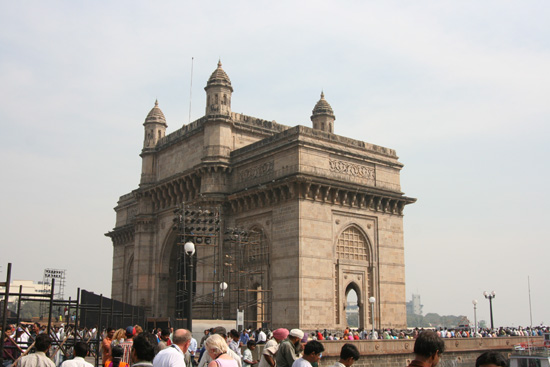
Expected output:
(127, 345)
(289, 349)
(206, 358)
(267, 358)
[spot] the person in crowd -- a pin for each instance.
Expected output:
(491, 359)
(191, 352)
(117, 352)
(262, 338)
(164, 339)
(217, 348)
(248, 359)
(206, 333)
(174, 356)
(267, 359)
(40, 358)
(348, 355)
(313, 351)
(234, 342)
(244, 338)
(118, 337)
(106, 354)
(428, 348)
(11, 350)
(143, 350)
(80, 351)
(289, 349)
(127, 344)
(206, 358)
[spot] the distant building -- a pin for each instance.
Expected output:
(414, 307)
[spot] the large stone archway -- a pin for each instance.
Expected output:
(354, 270)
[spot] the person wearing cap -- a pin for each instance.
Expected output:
(289, 349)
(127, 345)
(207, 358)
(267, 359)
(313, 351)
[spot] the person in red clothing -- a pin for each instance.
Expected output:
(427, 349)
(319, 335)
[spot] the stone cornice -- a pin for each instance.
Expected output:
(324, 191)
(122, 235)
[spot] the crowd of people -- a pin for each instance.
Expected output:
(412, 333)
(133, 346)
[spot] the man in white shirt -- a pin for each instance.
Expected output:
(80, 352)
(42, 344)
(313, 351)
(173, 356)
(261, 337)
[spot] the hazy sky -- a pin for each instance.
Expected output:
(460, 89)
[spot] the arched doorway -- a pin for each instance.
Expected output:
(354, 276)
(353, 310)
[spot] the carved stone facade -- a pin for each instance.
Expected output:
(330, 210)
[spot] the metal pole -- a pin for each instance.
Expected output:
(372, 313)
(5, 312)
(475, 320)
(99, 330)
(190, 295)
(19, 305)
(50, 308)
(77, 316)
(491, 310)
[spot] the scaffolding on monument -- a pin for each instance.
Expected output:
(226, 278)
(246, 267)
(200, 225)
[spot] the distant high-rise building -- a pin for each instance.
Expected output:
(414, 306)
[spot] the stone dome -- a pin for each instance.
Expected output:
(322, 107)
(156, 115)
(219, 77)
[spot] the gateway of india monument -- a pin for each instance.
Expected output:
(286, 221)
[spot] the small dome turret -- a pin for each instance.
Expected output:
(219, 78)
(155, 127)
(155, 115)
(323, 107)
(218, 93)
(323, 115)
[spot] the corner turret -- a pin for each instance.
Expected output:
(218, 93)
(155, 129)
(323, 116)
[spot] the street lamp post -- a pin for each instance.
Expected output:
(474, 302)
(223, 287)
(189, 248)
(372, 300)
(490, 297)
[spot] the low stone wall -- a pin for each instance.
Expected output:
(461, 352)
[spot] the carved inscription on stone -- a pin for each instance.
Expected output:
(352, 169)
(256, 171)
